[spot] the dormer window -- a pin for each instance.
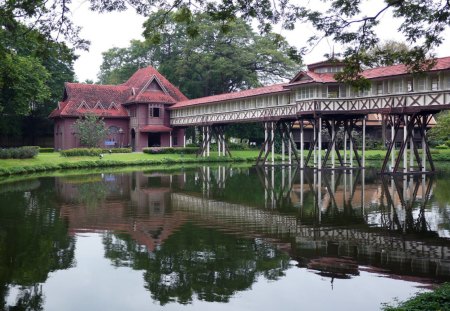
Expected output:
(333, 69)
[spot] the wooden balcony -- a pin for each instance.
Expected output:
(389, 103)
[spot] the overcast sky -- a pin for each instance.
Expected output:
(116, 29)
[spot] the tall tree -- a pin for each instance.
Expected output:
(215, 62)
(33, 70)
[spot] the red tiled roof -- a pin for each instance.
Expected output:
(151, 97)
(108, 100)
(380, 72)
(155, 128)
(141, 78)
(277, 88)
(104, 100)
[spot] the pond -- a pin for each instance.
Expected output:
(221, 237)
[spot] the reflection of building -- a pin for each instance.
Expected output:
(135, 204)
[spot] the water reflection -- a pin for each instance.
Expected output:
(211, 232)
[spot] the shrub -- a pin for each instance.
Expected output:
(46, 150)
(75, 152)
(441, 147)
(170, 150)
(91, 152)
(117, 150)
(238, 146)
(26, 152)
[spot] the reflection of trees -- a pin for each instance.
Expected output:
(33, 242)
(198, 261)
(92, 193)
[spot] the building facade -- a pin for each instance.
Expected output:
(148, 110)
(135, 113)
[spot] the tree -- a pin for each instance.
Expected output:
(90, 129)
(32, 74)
(387, 53)
(423, 21)
(214, 63)
(440, 133)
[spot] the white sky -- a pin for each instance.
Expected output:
(116, 29)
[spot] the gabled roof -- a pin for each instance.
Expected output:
(276, 88)
(142, 78)
(146, 85)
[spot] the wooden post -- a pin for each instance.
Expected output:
(411, 149)
(290, 146)
(351, 149)
(364, 143)
(424, 154)
(393, 144)
(319, 154)
(266, 136)
(219, 149)
(302, 160)
(272, 135)
(345, 143)
(405, 153)
(283, 137)
(333, 147)
(224, 144)
(208, 129)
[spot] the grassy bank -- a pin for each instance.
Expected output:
(438, 299)
(53, 161)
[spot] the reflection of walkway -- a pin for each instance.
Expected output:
(370, 244)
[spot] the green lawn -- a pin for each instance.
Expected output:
(54, 161)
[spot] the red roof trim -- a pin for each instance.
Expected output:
(154, 129)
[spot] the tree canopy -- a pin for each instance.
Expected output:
(347, 22)
(33, 69)
(214, 63)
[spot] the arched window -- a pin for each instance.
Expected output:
(113, 130)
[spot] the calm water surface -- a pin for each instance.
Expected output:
(215, 238)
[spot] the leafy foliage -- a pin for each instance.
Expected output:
(90, 130)
(441, 131)
(436, 300)
(168, 150)
(91, 152)
(214, 63)
(344, 21)
(33, 69)
(26, 152)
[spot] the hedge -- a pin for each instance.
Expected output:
(170, 150)
(46, 150)
(26, 152)
(112, 163)
(77, 152)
